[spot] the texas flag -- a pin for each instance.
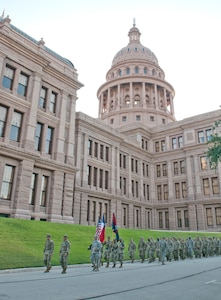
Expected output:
(114, 227)
(102, 230)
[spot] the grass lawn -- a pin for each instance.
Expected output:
(22, 241)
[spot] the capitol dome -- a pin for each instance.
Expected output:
(134, 50)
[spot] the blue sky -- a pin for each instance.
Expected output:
(184, 35)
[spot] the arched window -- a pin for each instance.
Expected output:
(145, 70)
(127, 99)
(136, 70)
(136, 99)
(153, 72)
(128, 70)
(119, 72)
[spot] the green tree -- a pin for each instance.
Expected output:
(214, 152)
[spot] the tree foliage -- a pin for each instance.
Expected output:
(214, 152)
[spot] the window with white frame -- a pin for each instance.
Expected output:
(16, 126)
(7, 182)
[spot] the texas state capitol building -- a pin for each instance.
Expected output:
(135, 159)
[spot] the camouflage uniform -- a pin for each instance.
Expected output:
(142, 249)
(190, 247)
(48, 251)
(152, 249)
(114, 252)
(163, 250)
(169, 254)
(120, 251)
(107, 250)
(96, 253)
(64, 252)
(176, 248)
(132, 249)
(198, 247)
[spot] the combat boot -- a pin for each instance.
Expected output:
(64, 270)
(121, 265)
(107, 265)
(114, 265)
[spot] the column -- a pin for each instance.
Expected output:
(131, 95)
(156, 97)
(32, 117)
(144, 95)
(71, 133)
(59, 152)
(165, 99)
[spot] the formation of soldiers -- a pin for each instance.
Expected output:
(163, 249)
(177, 248)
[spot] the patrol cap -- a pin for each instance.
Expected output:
(65, 235)
(48, 235)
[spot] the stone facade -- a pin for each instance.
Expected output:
(135, 159)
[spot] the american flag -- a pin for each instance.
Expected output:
(99, 227)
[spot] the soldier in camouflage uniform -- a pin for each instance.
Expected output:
(182, 250)
(114, 252)
(142, 249)
(176, 248)
(169, 254)
(96, 253)
(64, 252)
(152, 250)
(190, 247)
(120, 251)
(163, 250)
(157, 244)
(48, 251)
(205, 247)
(198, 247)
(132, 249)
(107, 250)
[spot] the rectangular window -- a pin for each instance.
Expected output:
(209, 217)
(124, 216)
(165, 192)
(95, 177)
(53, 100)
(177, 190)
(49, 139)
(175, 168)
(124, 161)
(132, 187)
(107, 153)
(208, 134)
(138, 118)
(158, 170)
(180, 141)
(7, 181)
(179, 219)
(157, 147)
(136, 165)
(124, 119)
(95, 149)
(89, 175)
(203, 163)
(201, 137)
(90, 145)
(159, 193)
(32, 194)
(132, 164)
(101, 152)
(186, 218)
(94, 211)
(38, 136)
(218, 215)
(137, 189)
(16, 126)
(9, 74)
(163, 146)
(160, 220)
(43, 97)
(167, 220)
(3, 117)
(182, 166)
(184, 192)
(164, 169)
(124, 186)
(100, 178)
(206, 187)
(215, 185)
(44, 188)
(23, 84)
(174, 144)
